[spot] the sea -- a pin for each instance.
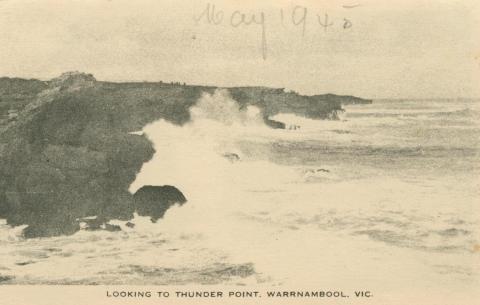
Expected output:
(385, 199)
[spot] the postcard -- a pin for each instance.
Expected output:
(239, 152)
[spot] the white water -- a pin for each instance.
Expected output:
(300, 232)
(377, 201)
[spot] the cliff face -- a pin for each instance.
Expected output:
(69, 153)
(275, 101)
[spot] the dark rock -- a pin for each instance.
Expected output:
(154, 201)
(93, 224)
(452, 232)
(60, 163)
(274, 124)
(344, 99)
(232, 157)
(112, 228)
(100, 224)
(293, 127)
(53, 249)
(24, 263)
(15, 94)
(272, 101)
(54, 227)
(73, 80)
(6, 278)
(130, 225)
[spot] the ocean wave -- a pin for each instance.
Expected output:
(409, 113)
(307, 151)
(262, 202)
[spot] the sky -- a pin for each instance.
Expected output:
(367, 48)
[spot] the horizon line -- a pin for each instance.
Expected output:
(173, 82)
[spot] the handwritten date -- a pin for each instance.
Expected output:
(299, 16)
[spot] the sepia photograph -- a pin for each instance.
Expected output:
(239, 152)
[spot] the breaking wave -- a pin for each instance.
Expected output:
(286, 206)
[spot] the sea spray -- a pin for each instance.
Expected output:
(350, 198)
(219, 191)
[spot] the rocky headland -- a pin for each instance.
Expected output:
(67, 151)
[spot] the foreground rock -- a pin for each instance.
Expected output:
(154, 201)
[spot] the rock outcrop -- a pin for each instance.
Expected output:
(154, 201)
(343, 99)
(70, 152)
(274, 101)
(66, 157)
